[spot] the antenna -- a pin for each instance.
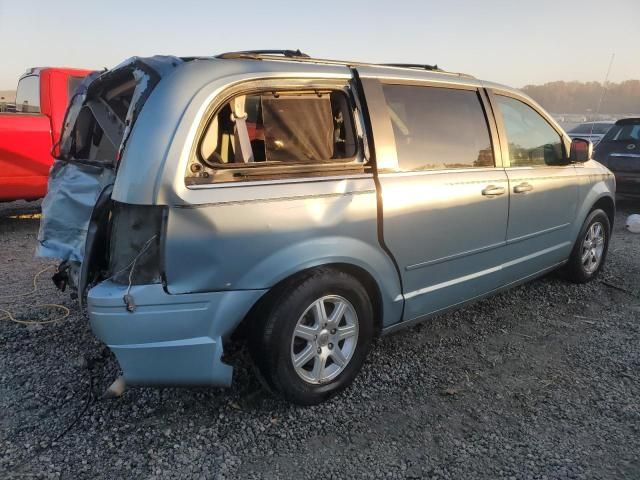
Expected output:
(604, 90)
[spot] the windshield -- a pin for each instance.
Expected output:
(623, 133)
(595, 128)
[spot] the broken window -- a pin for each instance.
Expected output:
(276, 134)
(98, 131)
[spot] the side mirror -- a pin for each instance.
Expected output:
(581, 150)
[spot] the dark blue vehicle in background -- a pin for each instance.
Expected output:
(619, 151)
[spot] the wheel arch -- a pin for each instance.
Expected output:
(595, 197)
(366, 279)
(368, 263)
(370, 285)
(606, 204)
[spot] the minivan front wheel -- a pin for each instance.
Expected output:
(315, 337)
(590, 249)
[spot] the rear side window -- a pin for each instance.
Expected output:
(438, 128)
(275, 134)
(98, 132)
(532, 141)
(628, 132)
(28, 95)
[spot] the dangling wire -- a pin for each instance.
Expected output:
(8, 315)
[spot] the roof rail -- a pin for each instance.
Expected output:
(628, 121)
(298, 56)
(433, 68)
(258, 54)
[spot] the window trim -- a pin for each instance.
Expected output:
(492, 93)
(413, 173)
(341, 168)
(485, 105)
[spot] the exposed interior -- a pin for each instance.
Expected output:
(98, 132)
(280, 133)
(95, 131)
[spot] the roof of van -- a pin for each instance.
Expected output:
(297, 55)
(394, 70)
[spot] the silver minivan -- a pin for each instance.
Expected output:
(310, 204)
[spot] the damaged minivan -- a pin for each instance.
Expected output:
(308, 204)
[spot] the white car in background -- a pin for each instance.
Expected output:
(593, 131)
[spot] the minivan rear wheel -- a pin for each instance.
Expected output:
(314, 337)
(590, 250)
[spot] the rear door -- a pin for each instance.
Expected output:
(543, 188)
(444, 193)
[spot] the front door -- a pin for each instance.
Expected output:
(543, 189)
(443, 191)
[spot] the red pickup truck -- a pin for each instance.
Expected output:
(28, 134)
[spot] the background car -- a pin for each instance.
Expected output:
(593, 131)
(619, 150)
(30, 127)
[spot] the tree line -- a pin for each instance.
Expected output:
(583, 97)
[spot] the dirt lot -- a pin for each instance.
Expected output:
(539, 382)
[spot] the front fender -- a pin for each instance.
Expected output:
(596, 184)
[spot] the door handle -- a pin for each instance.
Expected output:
(522, 188)
(493, 191)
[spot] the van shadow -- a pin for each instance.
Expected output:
(20, 208)
(19, 217)
(628, 205)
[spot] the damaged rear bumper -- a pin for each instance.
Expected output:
(168, 339)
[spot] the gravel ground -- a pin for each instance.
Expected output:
(539, 382)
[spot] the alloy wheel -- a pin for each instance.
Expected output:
(324, 339)
(593, 247)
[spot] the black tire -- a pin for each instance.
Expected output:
(575, 271)
(270, 342)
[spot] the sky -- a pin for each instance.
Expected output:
(512, 42)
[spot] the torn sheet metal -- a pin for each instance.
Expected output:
(66, 210)
(72, 191)
(76, 184)
(146, 72)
